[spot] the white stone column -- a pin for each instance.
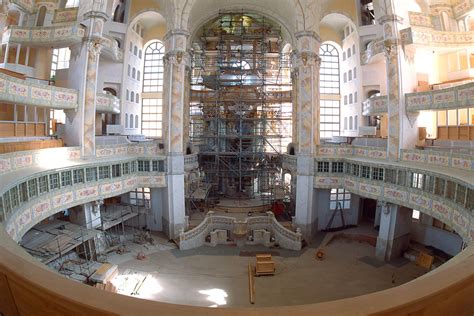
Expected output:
(394, 231)
(83, 74)
(175, 109)
(306, 63)
(402, 127)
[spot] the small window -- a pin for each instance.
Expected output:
(356, 170)
(355, 72)
(91, 174)
(129, 70)
(43, 184)
(126, 168)
(54, 181)
(78, 176)
(338, 167)
(134, 71)
(350, 75)
(415, 215)
(344, 56)
(355, 97)
(349, 53)
(345, 77)
(353, 50)
(377, 173)
(356, 122)
(323, 166)
(32, 188)
(351, 99)
(137, 98)
(345, 100)
(116, 172)
(135, 51)
(66, 178)
(140, 54)
(132, 96)
(104, 172)
(127, 96)
(365, 172)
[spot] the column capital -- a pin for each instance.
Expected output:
(94, 47)
(305, 58)
(178, 57)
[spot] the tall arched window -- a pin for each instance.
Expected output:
(153, 68)
(330, 90)
(152, 94)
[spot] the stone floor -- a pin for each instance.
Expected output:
(218, 276)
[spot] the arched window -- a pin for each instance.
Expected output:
(41, 16)
(134, 71)
(131, 121)
(138, 75)
(136, 121)
(152, 99)
(329, 85)
(135, 50)
(137, 98)
(445, 21)
(126, 120)
(153, 69)
(132, 96)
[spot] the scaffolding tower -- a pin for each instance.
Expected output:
(241, 105)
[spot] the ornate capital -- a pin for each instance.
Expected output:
(304, 59)
(94, 47)
(390, 48)
(178, 58)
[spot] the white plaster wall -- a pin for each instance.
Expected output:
(354, 86)
(129, 107)
(351, 215)
(424, 233)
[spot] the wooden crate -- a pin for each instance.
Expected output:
(265, 265)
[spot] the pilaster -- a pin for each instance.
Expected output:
(402, 130)
(177, 64)
(305, 76)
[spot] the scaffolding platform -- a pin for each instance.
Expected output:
(49, 241)
(240, 109)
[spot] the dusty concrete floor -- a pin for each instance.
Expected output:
(218, 276)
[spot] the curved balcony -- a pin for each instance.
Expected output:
(18, 91)
(429, 37)
(111, 49)
(449, 98)
(374, 48)
(33, 288)
(375, 106)
(59, 36)
(106, 103)
(444, 196)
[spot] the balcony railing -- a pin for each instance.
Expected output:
(374, 48)
(106, 103)
(375, 106)
(429, 37)
(50, 36)
(17, 91)
(451, 98)
(111, 49)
